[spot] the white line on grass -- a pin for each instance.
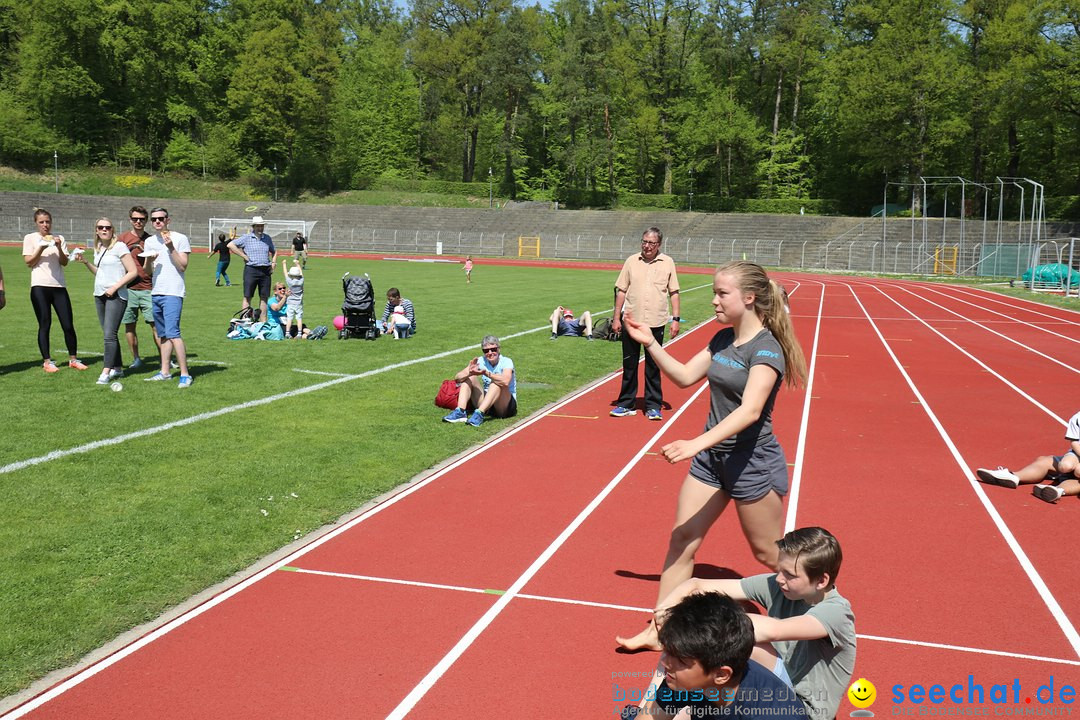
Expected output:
(429, 680)
(1010, 540)
(176, 622)
(320, 372)
(800, 448)
(631, 608)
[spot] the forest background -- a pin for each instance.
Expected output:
(817, 102)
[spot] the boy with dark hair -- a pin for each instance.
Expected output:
(808, 634)
(706, 670)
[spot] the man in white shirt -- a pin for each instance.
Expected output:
(166, 256)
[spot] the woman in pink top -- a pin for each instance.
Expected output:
(46, 255)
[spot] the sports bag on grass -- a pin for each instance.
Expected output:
(447, 396)
(602, 330)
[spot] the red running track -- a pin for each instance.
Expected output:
(496, 585)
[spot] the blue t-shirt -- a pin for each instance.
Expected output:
(571, 328)
(278, 315)
(504, 363)
(760, 694)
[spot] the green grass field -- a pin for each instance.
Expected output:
(96, 543)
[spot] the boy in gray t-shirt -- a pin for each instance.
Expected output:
(802, 602)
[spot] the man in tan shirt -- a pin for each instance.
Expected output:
(644, 286)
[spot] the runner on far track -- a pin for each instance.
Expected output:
(737, 457)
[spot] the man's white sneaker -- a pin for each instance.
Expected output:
(1001, 476)
(1049, 493)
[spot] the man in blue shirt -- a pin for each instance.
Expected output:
(259, 255)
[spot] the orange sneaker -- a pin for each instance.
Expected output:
(50, 366)
(76, 365)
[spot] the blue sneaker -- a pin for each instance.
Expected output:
(653, 414)
(477, 419)
(136, 364)
(458, 416)
(158, 377)
(185, 381)
(622, 412)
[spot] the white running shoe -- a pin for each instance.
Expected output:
(1001, 476)
(1049, 493)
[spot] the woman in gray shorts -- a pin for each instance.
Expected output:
(736, 457)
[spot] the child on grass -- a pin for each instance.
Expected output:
(399, 322)
(294, 301)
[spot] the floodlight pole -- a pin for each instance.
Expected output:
(56, 169)
(275, 182)
(491, 196)
(691, 200)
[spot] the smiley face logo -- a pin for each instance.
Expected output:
(862, 693)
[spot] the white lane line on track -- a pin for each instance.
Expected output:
(641, 610)
(1009, 318)
(176, 622)
(995, 332)
(119, 655)
(974, 359)
(800, 448)
(1030, 306)
(429, 680)
(1010, 540)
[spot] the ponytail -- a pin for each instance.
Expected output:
(770, 304)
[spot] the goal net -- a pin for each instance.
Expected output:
(280, 231)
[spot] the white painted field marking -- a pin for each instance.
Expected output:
(800, 448)
(1010, 540)
(643, 610)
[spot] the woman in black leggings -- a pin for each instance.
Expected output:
(46, 255)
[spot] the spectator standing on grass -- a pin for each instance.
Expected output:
(113, 268)
(224, 258)
(1057, 476)
(468, 269)
(645, 285)
(737, 458)
(46, 255)
(166, 256)
(294, 300)
(488, 384)
(139, 301)
(393, 299)
(300, 249)
(257, 250)
(563, 323)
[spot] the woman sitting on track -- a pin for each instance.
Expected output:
(113, 268)
(737, 457)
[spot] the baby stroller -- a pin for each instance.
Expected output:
(358, 308)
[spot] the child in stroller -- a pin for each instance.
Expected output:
(358, 308)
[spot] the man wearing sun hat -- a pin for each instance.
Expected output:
(259, 254)
(563, 323)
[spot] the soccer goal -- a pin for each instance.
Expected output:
(280, 231)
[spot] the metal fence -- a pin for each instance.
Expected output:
(857, 250)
